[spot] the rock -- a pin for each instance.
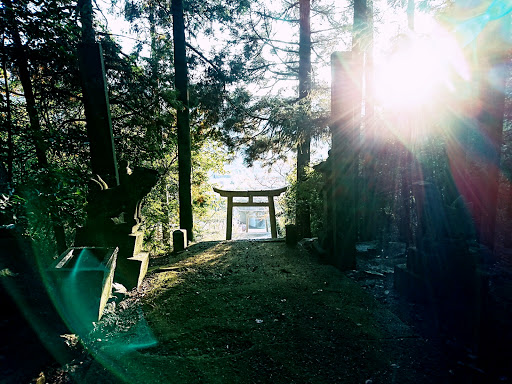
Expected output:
(41, 379)
(118, 288)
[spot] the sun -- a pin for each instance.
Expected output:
(419, 70)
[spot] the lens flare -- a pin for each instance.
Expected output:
(469, 30)
(420, 71)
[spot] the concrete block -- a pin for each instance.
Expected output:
(131, 271)
(81, 283)
(179, 240)
(291, 235)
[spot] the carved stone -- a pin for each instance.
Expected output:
(114, 218)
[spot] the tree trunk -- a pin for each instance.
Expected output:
(10, 147)
(303, 210)
(507, 241)
(166, 227)
(30, 102)
(410, 14)
(24, 75)
(490, 122)
(359, 31)
(86, 18)
(154, 130)
(405, 229)
(359, 46)
(370, 125)
(371, 147)
(182, 118)
(484, 160)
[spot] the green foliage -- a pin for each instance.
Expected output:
(161, 205)
(311, 195)
(11, 209)
(143, 106)
(54, 198)
(48, 180)
(271, 124)
(150, 139)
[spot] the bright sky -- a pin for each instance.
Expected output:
(116, 23)
(422, 67)
(414, 75)
(389, 24)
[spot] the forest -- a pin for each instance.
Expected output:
(110, 136)
(254, 93)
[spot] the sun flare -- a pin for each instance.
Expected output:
(419, 70)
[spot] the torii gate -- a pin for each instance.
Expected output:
(251, 203)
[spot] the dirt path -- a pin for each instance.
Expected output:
(253, 312)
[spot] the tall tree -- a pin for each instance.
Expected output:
(23, 68)
(212, 68)
(359, 48)
(370, 146)
(22, 65)
(10, 149)
(182, 118)
(275, 124)
(410, 14)
(494, 53)
(303, 213)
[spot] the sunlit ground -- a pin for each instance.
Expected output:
(252, 312)
(217, 231)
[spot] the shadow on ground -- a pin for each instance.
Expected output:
(252, 312)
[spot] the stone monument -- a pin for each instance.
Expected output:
(114, 219)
